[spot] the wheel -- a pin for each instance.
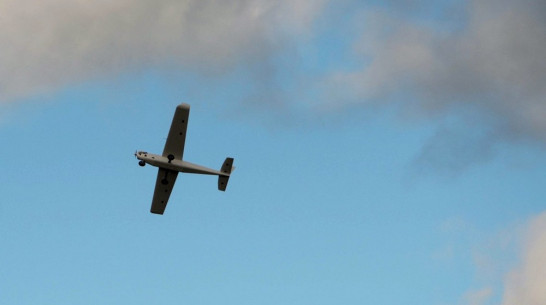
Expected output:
(170, 157)
(141, 163)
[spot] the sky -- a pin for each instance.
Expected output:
(387, 152)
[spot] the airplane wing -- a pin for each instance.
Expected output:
(177, 134)
(163, 187)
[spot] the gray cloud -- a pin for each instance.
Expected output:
(489, 60)
(53, 43)
(451, 150)
(494, 65)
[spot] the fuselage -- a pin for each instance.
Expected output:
(175, 164)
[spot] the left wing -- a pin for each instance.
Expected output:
(177, 134)
(163, 187)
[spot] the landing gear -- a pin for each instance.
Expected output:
(164, 181)
(170, 157)
(141, 163)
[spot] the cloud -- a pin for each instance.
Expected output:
(525, 284)
(491, 62)
(451, 150)
(478, 297)
(488, 60)
(512, 258)
(54, 43)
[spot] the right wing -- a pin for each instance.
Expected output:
(177, 134)
(163, 187)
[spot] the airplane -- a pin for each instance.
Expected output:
(170, 163)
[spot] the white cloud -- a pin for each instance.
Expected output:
(51, 43)
(526, 283)
(524, 280)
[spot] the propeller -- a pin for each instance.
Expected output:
(141, 162)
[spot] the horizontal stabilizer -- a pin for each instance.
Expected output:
(226, 171)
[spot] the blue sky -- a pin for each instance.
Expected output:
(386, 153)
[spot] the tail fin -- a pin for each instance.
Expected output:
(226, 170)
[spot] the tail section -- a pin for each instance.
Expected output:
(226, 170)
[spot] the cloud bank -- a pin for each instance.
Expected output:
(492, 62)
(53, 43)
(486, 65)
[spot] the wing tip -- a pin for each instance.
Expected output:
(183, 106)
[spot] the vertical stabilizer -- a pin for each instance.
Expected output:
(226, 171)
